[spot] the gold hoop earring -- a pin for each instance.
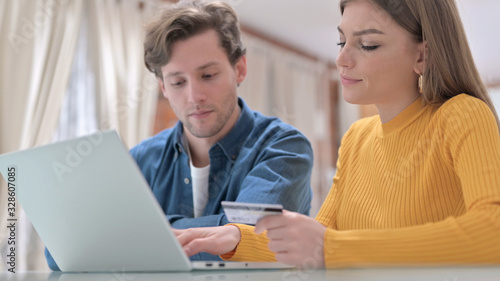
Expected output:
(420, 84)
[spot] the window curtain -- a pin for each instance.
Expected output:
(69, 67)
(37, 47)
(126, 92)
(78, 112)
(110, 87)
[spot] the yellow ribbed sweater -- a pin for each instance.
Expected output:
(421, 189)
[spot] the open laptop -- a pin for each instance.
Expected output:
(95, 212)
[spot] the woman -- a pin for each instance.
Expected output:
(418, 184)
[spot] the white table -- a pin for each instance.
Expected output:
(372, 274)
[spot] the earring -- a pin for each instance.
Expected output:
(420, 84)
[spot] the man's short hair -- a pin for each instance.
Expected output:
(186, 19)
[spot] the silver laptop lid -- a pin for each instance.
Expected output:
(92, 207)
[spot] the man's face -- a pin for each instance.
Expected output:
(200, 84)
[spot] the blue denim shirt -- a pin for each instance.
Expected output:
(261, 160)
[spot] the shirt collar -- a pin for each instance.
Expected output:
(233, 141)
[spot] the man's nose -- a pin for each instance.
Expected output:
(196, 92)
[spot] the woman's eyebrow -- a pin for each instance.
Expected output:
(363, 32)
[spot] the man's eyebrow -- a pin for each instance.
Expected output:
(173, 74)
(206, 65)
(362, 32)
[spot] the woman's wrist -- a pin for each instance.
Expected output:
(235, 236)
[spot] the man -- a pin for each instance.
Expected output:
(220, 150)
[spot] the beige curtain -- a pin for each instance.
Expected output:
(38, 43)
(296, 89)
(126, 91)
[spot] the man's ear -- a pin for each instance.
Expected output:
(162, 86)
(241, 69)
(421, 59)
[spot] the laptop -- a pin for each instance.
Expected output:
(95, 212)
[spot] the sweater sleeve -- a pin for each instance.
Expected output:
(471, 145)
(252, 246)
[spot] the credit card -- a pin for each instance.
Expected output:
(249, 213)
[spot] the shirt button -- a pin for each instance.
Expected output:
(186, 181)
(233, 157)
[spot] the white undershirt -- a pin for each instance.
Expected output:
(199, 178)
(199, 181)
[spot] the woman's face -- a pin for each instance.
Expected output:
(378, 59)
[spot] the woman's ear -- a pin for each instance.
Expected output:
(421, 58)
